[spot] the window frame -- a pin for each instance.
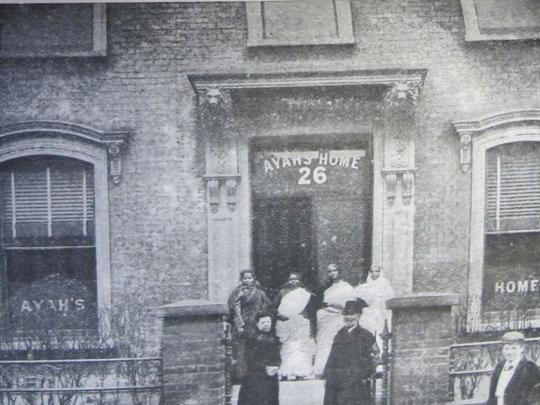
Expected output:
(256, 24)
(473, 32)
(478, 137)
(99, 149)
(99, 40)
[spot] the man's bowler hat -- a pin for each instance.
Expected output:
(354, 306)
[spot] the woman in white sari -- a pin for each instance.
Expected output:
(375, 291)
(329, 317)
(294, 330)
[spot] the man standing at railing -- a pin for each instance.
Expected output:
(515, 376)
(352, 361)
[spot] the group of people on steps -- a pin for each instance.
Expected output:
(302, 334)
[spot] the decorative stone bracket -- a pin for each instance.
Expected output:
(465, 152)
(403, 93)
(222, 190)
(115, 161)
(214, 96)
(399, 183)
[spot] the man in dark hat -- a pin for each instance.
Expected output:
(351, 362)
(514, 378)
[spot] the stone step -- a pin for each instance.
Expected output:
(306, 392)
(303, 392)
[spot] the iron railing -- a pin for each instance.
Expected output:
(471, 365)
(111, 381)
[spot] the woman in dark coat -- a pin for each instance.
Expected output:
(245, 302)
(260, 384)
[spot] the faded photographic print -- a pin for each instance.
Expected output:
(285, 202)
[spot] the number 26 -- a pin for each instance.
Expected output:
(318, 176)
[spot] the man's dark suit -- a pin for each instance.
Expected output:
(349, 368)
(524, 378)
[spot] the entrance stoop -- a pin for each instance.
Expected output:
(307, 392)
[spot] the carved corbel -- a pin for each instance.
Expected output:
(215, 187)
(465, 152)
(391, 186)
(115, 162)
(403, 94)
(213, 194)
(214, 97)
(407, 187)
(230, 192)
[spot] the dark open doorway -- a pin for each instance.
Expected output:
(283, 241)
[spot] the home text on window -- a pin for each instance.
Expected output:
(512, 227)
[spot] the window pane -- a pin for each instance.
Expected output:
(47, 201)
(512, 275)
(52, 287)
(47, 27)
(513, 187)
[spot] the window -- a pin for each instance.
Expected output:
(503, 154)
(512, 227)
(41, 30)
(48, 242)
(309, 22)
(54, 224)
(501, 19)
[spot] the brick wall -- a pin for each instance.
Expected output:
(422, 330)
(193, 354)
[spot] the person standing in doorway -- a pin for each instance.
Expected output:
(351, 362)
(245, 302)
(375, 291)
(293, 328)
(514, 377)
(329, 318)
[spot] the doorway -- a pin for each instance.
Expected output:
(283, 241)
(311, 206)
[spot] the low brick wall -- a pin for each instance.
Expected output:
(423, 329)
(193, 353)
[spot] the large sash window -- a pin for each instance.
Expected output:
(512, 227)
(48, 242)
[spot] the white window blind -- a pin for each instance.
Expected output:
(513, 189)
(47, 201)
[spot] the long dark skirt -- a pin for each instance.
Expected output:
(259, 390)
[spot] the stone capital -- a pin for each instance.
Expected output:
(402, 95)
(214, 96)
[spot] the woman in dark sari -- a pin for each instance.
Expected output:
(260, 384)
(245, 302)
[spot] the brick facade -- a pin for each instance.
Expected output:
(141, 86)
(158, 222)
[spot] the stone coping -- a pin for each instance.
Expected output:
(191, 308)
(423, 300)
